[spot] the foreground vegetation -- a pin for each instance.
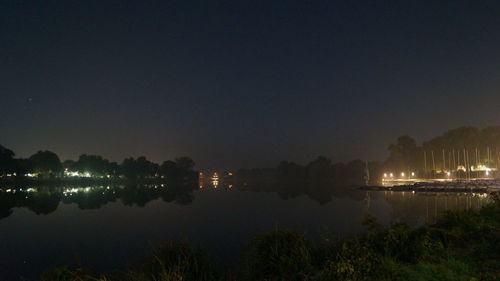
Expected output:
(462, 245)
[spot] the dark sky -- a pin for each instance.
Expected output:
(243, 83)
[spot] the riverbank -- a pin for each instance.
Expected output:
(462, 245)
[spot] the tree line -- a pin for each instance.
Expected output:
(47, 165)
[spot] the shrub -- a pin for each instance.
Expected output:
(278, 255)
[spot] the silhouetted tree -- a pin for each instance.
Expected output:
(179, 170)
(46, 163)
(7, 162)
(69, 164)
(319, 169)
(138, 168)
(95, 165)
(404, 154)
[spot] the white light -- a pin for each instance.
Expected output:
(448, 173)
(412, 174)
(402, 174)
(487, 173)
(391, 175)
(385, 175)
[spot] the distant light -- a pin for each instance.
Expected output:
(385, 175)
(448, 173)
(391, 175)
(402, 174)
(412, 174)
(487, 172)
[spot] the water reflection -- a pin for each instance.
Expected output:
(46, 199)
(425, 207)
(409, 207)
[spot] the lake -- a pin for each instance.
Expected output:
(110, 227)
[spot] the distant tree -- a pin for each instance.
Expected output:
(24, 166)
(138, 168)
(319, 169)
(168, 169)
(146, 168)
(46, 163)
(290, 171)
(404, 154)
(179, 170)
(128, 168)
(7, 162)
(490, 136)
(69, 164)
(114, 169)
(93, 164)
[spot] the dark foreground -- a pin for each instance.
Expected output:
(462, 245)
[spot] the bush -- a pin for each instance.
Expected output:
(278, 255)
(447, 270)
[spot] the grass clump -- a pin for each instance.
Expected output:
(278, 255)
(176, 261)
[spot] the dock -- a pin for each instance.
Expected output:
(478, 186)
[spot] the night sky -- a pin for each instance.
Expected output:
(243, 83)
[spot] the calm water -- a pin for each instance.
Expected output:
(111, 227)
